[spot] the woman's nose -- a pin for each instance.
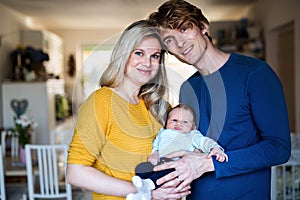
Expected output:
(146, 61)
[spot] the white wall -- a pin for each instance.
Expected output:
(10, 38)
(11, 23)
(273, 14)
(73, 42)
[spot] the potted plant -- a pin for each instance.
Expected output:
(24, 127)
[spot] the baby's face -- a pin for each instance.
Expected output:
(181, 120)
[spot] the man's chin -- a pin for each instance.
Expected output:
(184, 60)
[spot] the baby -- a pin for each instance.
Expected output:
(179, 134)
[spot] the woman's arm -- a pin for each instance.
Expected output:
(94, 180)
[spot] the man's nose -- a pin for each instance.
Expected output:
(180, 41)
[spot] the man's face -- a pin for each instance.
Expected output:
(187, 43)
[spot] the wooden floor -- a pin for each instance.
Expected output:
(16, 191)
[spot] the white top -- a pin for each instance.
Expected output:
(168, 141)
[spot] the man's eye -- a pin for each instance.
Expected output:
(183, 29)
(168, 41)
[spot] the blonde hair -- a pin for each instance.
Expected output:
(154, 93)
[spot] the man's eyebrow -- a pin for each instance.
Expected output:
(167, 37)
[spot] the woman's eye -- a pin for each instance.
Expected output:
(155, 56)
(139, 53)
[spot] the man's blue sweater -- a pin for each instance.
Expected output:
(242, 107)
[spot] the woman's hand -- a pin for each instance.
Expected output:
(154, 158)
(189, 167)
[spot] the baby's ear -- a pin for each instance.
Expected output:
(194, 127)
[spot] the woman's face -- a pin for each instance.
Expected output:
(180, 120)
(143, 62)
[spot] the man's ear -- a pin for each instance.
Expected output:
(205, 28)
(210, 39)
(204, 31)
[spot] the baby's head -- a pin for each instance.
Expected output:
(181, 118)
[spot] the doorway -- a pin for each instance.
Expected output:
(286, 63)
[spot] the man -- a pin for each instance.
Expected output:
(239, 102)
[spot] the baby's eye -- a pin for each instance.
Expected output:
(185, 122)
(174, 120)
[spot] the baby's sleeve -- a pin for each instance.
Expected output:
(155, 143)
(203, 143)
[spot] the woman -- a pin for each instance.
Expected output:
(117, 123)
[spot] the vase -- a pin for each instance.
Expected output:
(23, 155)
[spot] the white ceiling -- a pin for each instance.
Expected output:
(99, 14)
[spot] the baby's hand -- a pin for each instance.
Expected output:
(220, 155)
(154, 158)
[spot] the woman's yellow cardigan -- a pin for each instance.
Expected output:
(112, 135)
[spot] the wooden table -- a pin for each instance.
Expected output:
(14, 166)
(15, 177)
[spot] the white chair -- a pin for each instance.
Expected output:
(286, 179)
(2, 186)
(14, 142)
(50, 161)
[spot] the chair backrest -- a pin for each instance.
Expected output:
(2, 186)
(50, 162)
(13, 138)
